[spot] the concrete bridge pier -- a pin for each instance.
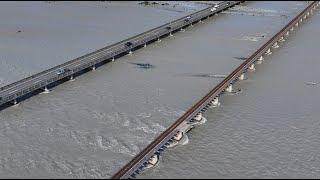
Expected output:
(229, 88)
(154, 159)
(71, 78)
(242, 76)
(15, 102)
(46, 90)
(275, 45)
(191, 25)
(112, 59)
(268, 52)
(260, 59)
(251, 67)
(159, 40)
(282, 39)
(292, 28)
(170, 34)
(93, 68)
(145, 45)
(198, 117)
(215, 102)
(297, 24)
(287, 33)
(182, 30)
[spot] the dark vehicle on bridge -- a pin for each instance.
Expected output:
(67, 70)
(128, 44)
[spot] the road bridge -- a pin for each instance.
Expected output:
(13, 93)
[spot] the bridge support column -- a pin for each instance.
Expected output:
(130, 52)
(275, 45)
(15, 102)
(182, 30)
(46, 90)
(170, 34)
(297, 24)
(71, 78)
(178, 136)
(145, 45)
(305, 17)
(198, 117)
(93, 67)
(282, 39)
(154, 159)
(159, 40)
(251, 67)
(260, 60)
(191, 25)
(287, 33)
(301, 20)
(229, 88)
(242, 76)
(112, 59)
(292, 28)
(215, 102)
(268, 52)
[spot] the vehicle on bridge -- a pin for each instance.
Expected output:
(60, 71)
(187, 19)
(129, 44)
(63, 70)
(214, 7)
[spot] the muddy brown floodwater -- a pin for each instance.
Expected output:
(91, 127)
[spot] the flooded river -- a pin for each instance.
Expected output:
(90, 127)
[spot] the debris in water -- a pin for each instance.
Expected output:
(312, 83)
(143, 65)
(240, 58)
(208, 75)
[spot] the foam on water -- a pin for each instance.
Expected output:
(184, 140)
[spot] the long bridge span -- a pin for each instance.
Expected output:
(150, 154)
(15, 92)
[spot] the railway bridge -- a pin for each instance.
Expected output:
(150, 155)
